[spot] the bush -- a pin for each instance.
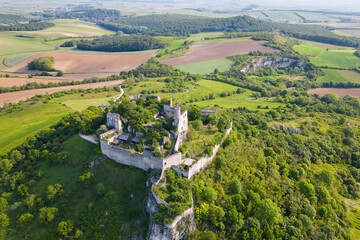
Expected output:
(235, 186)
(42, 64)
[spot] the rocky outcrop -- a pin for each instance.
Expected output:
(289, 129)
(275, 62)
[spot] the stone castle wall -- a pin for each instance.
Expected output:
(143, 161)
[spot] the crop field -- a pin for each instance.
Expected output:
(336, 58)
(337, 76)
(338, 91)
(15, 97)
(210, 50)
(12, 81)
(317, 17)
(349, 32)
(23, 124)
(75, 28)
(86, 63)
(325, 45)
(284, 16)
(304, 49)
(332, 75)
(222, 64)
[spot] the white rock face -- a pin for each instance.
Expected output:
(275, 62)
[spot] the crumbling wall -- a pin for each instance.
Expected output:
(145, 161)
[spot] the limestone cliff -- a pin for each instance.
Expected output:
(275, 62)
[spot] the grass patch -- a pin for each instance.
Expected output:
(304, 49)
(222, 64)
(17, 126)
(351, 76)
(332, 75)
(336, 58)
(82, 104)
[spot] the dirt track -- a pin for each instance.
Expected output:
(23, 95)
(203, 51)
(338, 91)
(88, 63)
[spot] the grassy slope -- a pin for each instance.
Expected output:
(15, 127)
(202, 90)
(305, 49)
(109, 173)
(336, 58)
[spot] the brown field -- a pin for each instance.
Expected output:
(338, 91)
(10, 82)
(23, 95)
(204, 51)
(88, 63)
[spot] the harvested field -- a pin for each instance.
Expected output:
(338, 91)
(87, 63)
(10, 82)
(204, 51)
(23, 95)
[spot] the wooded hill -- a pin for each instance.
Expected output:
(31, 26)
(118, 43)
(184, 25)
(10, 18)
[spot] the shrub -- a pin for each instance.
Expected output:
(42, 64)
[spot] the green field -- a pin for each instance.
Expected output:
(338, 76)
(82, 104)
(19, 125)
(283, 16)
(15, 127)
(336, 58)
(222, 64)
(304, 49)
(332, 75)
(197, 94)
(355, 32)
(202, 36)
(317, 17)
(77, 27)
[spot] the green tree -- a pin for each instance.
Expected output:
(307, 188)
(269, 212)
(195, 113)
(65, 227)
(25, 219)
(4, 220)
(209, 194)
(47, 214)
(235, 186)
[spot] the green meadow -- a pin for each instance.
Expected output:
(305, 49)
(17, 126)
(336, 58)
(222, 64)
(340, 76)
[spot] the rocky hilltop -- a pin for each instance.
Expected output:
(275, 62)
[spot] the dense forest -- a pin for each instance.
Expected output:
(31, 26)
(11, 18)
(274, 181)
(184, 25)
(119, 43)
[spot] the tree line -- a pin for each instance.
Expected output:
(118, 43)
(184, 25)
(31, 26)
